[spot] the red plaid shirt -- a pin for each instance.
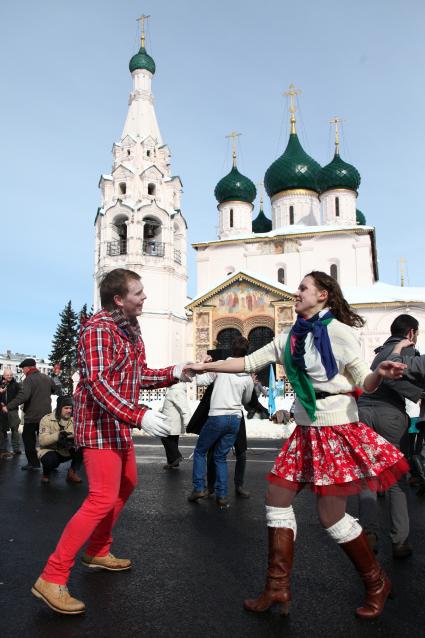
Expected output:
(112, 371)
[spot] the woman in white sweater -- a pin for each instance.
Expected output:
(329, 451)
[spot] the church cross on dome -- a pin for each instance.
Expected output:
(233, 136)
(292, 93)
(336, 121)
(142, 29)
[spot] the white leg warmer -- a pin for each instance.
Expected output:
(281, 517)
(345, 530)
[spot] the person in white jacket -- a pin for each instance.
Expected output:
(176, 409)
(230, 392)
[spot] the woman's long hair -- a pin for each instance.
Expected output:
(336, 302)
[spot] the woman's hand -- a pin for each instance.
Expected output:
(391, 369)
(404, 343)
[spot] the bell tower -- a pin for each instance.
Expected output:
(139, 223)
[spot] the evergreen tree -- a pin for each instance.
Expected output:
(64, 347)
(83, 315)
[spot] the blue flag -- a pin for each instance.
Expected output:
(272, 391)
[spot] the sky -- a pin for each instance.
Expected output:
(220, 66)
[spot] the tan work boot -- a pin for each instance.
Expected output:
(72, 476)
(109, 562)
(57, 597)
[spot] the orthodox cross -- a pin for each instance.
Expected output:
(233, 135)
(142, 29)
(292, 93)
(336, 121)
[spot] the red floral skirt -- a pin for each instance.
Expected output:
(337, 460)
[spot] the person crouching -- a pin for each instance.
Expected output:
(56, 439)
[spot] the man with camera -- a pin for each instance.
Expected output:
(57, 442)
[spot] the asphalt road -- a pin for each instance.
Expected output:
(193, 563)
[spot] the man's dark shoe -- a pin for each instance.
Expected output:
(30, 467)
(16, 452)
(222, 502)
(6, 455)
(372, 541)
(195, 496)
(402, 550)
(241, 492)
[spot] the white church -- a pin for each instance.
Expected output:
(247, 275)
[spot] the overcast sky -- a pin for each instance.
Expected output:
(221, 66)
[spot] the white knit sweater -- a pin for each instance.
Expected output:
(334, 410)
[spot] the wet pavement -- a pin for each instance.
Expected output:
(193, 563)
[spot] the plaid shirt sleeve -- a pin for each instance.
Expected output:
(150, 378)
(96, 356)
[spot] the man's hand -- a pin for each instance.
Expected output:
(391, 369)
(153, 423)
(404, 343)
(4, 409)
(182, 372)
(281, 416)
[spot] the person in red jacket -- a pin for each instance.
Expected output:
(113, 370)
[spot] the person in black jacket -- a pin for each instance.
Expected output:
(35, 396)
(385, 411)
(9, 388)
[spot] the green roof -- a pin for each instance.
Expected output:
(261, 224)
(235, 186)
(360, 218)
(142, 60)
(293, 169)
(338, 174)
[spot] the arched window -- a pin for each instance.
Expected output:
(231, 218)
(151, 189)
(291, 215)
(128, 152)
(148, 153)
(336, 206)
(281, 275)
(123, 188)
(334, 271)
(259, 337)
(225, 339)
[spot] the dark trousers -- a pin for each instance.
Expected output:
(171, 446)
(51, 460)
(391, 424)
(240, 466)
(29, 437)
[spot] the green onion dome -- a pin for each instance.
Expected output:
(142, 60)
(261, 224)
(338, 174)
(235, 186)
(293, 169)
(360, 218)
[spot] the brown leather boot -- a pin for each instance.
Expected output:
(377, 583)
(277, 589)
(57, 597)
(72, 476)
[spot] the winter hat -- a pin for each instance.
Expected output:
(28, 363)
(62, 402)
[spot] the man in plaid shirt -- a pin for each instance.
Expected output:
(112, 366)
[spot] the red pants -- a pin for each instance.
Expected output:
(112, 476)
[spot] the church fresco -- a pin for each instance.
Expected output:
(242, 300)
